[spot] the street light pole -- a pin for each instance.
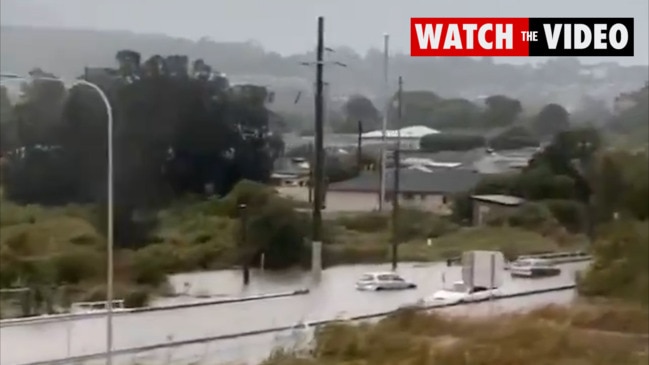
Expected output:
(386, 58)
(110, 209)
(395, 188)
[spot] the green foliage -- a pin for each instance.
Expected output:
(358, 108)
(451, 142)
(501, 111)
(621, 257)
(569, 213)
(176, 132)
(368, 222)
(530, 215)
(513, 138)
(553, 118)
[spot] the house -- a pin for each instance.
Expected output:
(408, 137)
(431, 191)
(487, 207)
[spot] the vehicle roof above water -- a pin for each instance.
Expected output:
(379, 273)
(530, 261)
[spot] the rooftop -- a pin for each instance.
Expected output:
(416, 131)
(507, 200)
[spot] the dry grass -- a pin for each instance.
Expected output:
(548, 336)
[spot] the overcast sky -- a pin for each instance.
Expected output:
(289, 26)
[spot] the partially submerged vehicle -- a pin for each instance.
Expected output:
(459, 293)
(376, 281)
(533, 267)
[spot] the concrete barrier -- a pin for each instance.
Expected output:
(101, 355)
(72, 317)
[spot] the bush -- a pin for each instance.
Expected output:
(137, 297)
(569, 213)
(77, 264)
(621, 258)
(367, 222)
(530, 215)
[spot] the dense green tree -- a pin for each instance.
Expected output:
(176, 131)
(360, 108)
(553, 118)
(501, 111)
(513, 138)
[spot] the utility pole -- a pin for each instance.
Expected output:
(319, 154)
(395, 188)
(318, 181)
(386, 58)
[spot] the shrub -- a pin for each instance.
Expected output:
(621, 258)
(367, 222)
(530, 215)
(569, 213)
(137, 297)
(451, 142)
(77, 264)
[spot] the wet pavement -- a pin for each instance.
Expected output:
(333, 296)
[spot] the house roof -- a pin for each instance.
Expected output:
(443, 181)
(415, 131)
(507, 200)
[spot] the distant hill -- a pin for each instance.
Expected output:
(67, 52)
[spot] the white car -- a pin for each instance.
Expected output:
(383, 281)
(459, 293)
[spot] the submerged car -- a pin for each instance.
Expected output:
(383, 281)
(459, 293)
(530, 268)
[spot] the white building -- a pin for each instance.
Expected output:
(409, 136)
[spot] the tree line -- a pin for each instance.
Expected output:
(177, 130)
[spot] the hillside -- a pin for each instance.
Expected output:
(67, 52)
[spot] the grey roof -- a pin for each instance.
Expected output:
(508, 200)
(442, 181)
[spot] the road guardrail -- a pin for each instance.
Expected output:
(133, 350)
(72, 317)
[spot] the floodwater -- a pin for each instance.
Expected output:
(333, 296)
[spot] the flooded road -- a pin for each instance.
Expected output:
(252, 350)
(333, 296)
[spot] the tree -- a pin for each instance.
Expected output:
(501, 111)
(274, 228)
(8, 126)
(455, 113)
(513, 138)
(553, 118)
(417, 108)
(176, 131)
(358, 107)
